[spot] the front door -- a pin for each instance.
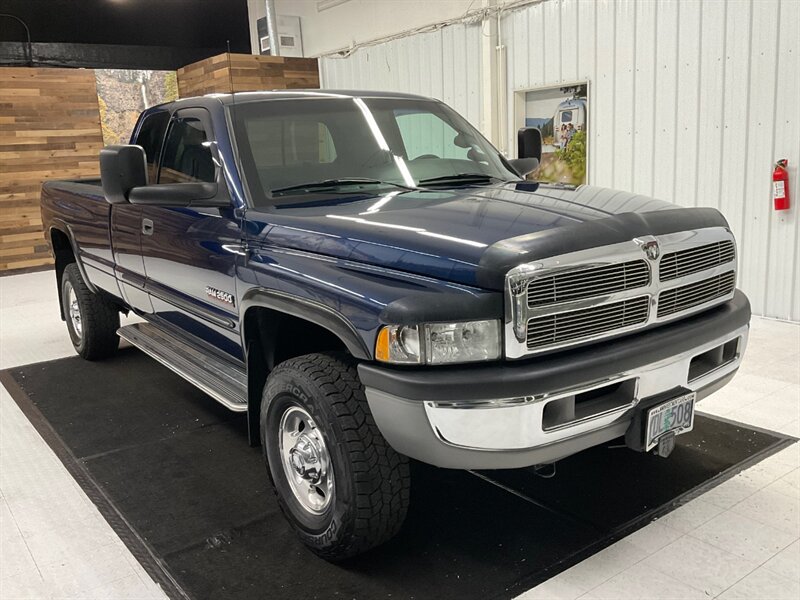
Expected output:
(190, 254)
(126, 219)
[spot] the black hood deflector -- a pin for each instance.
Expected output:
(506, 254)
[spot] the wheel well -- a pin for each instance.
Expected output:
(63, 254)
(271, 337)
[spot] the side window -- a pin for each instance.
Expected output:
(425, 133)
(150, 136)
(187, 157)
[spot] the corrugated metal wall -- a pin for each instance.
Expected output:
(444, 64)
(689, 101)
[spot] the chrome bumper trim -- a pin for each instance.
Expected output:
(505, 424)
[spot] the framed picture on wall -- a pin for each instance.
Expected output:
(562, 114)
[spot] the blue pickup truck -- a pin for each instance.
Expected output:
(371, 281)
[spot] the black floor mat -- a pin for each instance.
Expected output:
(172, 472)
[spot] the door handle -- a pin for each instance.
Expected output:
(147, 227)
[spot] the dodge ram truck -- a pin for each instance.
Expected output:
(371, 281)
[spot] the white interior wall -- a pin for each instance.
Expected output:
(357, 21)
(689, 101)
(443, 64)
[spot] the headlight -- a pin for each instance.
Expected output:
(439, 343)
(462, 342)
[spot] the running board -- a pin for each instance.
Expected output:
(220, 379)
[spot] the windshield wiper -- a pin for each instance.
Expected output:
(460, 178)
(333, 183)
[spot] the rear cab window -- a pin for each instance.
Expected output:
(282, 142)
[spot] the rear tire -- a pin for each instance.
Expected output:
(92, 321)
(340, 485)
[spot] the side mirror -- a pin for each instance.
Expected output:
(523, 166)
(122, 168)
(193, 194)
(529, 143)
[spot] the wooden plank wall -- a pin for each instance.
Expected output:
(49, 128)
(247, 73)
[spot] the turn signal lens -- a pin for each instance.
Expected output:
(398, 344)
(382, 345)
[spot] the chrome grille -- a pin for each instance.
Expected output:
(586, 323)
(595, 293)
(577, 284)
(695, 294)
(693, 260)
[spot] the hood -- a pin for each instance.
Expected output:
(464, 236)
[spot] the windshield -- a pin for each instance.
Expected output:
(313, 146)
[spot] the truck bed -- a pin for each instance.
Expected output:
(78, 207)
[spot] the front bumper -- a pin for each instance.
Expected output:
(519, 414)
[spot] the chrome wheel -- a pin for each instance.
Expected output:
(305, 460)
(74, 310)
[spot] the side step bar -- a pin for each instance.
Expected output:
(220, 379)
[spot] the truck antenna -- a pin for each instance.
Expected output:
(230, 71)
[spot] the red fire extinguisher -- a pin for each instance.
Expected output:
(780, 185)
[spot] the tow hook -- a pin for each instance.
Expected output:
(545, 471)
(666, 444)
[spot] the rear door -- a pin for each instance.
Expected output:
(190, 254)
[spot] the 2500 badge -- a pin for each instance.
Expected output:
(220, 295)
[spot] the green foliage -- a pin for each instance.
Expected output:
(109, 137)
(547, 129)
(170, 87)
(574, 155)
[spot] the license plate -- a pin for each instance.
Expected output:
(673, 416)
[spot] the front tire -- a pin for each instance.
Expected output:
(92, 321)
(338, 482)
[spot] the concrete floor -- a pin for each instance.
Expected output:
(739, 540)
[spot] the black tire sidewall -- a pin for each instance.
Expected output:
(294, 388)
(99, 318)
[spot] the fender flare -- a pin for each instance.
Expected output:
(308, 310)
(302, 308)
(60, 225)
